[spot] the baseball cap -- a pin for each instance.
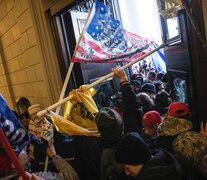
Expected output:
(152, 117)
(178, 109)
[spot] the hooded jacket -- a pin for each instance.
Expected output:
(168, 131)
(90, 159)
(132, 123)
(191, 147)
(162, 166)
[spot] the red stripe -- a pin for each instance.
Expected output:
(95, 47)
(126, 33)
(98, 60)
(84, 52)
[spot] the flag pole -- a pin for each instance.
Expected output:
(46, 163)
(65, 85)
(41, 113)
(123, 67)
(11, 154)
(72, 64)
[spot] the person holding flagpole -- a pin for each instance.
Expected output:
(65, 170)
(14, 155)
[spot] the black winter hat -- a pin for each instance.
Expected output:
(132, 150)
(148, 87)
(109, 123)
(136, 83)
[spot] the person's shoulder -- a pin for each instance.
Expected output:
(162, 164)
(109, 151)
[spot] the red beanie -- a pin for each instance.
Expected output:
(178, 109)
(5, 163)
(152, 117)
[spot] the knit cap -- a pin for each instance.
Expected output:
(136, 83)
(132, 150)
(148, 87)
(109, 123)
(33, 110)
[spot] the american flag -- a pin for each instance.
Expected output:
(103, 39)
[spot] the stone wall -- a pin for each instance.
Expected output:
(21, 68)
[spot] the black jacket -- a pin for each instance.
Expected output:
(133, 114)
(164, 142)
(162, 166)
(89, 149)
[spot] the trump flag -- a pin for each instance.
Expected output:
(103, 39)
(12, 128)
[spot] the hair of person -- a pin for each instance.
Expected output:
(146, 101)
(23, 101)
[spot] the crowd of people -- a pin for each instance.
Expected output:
(144, 136)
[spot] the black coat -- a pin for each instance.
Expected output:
(89, 149)
(164, 142)
(162, 166)
(132, 115)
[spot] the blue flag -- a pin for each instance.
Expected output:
(13, 129)
(158, 59)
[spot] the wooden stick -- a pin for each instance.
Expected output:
(71, 64)
(11, 154)
(41, 113)
(123, 67)
(46, 163)
(65, 85)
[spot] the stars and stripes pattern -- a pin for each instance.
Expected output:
(103, 39)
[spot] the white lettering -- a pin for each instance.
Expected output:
(8, 124)
(17, 136)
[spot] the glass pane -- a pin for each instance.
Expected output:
(173, 29)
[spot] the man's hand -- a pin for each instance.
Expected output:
(120, 74)
(31, 177)
(51, 150)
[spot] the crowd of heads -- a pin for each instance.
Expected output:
(164, 121)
